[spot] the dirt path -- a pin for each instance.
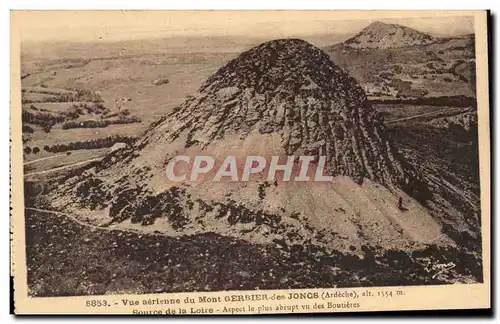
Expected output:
(52, 157)
(455, 111)
(64, 167)
(97, 227)
(72, 218)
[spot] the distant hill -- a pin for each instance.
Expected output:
(396, 61)
(381, 35)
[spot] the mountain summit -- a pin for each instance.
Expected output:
(291, 89)
(281, 98)
(382, 35)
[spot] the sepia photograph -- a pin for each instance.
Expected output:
(278, 157)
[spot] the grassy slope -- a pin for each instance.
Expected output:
(65, 258)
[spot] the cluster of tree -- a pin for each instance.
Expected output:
(74, 96)
(83, 108)
(27, 101)
(89, 144)
(79, 95)
(46, 119)
(120, 114)
(82, 145)
(100, 123)
(42, 119)
(38, 90)
(29, 150)
(28, 129)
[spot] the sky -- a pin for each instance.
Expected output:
(127, 25)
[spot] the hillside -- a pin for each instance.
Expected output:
(435, 68)
(381, 35)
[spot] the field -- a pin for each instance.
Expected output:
(135, 86)
(55, 161)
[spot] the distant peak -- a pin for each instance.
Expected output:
(382, 35)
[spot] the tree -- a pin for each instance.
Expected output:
(27, 129)
(124, 113)
(36, 150)
(27, 150)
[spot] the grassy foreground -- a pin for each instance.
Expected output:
(65, 258)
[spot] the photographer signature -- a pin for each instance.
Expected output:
(439, 267)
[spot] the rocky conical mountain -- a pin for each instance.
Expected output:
(382, 35)
(284, 97)
(291, 88)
